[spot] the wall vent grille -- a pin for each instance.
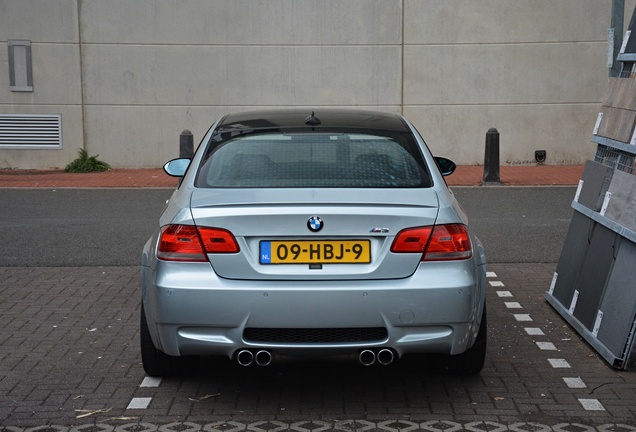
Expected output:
(31, 131)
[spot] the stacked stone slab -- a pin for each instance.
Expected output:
(594, 286)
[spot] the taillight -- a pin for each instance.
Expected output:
(412, 240)
(217, 240)
(189, 243)
(448, 242)
(436, 243)
(180, 243)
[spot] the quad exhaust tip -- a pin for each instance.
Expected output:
(247, 358)
(368, 357)
(263, 358)
(385, 357)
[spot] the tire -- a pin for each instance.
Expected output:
(156, 363)
(472, 360)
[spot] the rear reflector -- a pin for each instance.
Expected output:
(189, 243)
(436, 243)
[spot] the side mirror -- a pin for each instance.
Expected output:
(177, 167)
(446, 166)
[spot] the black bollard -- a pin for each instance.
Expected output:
(491, 158)
(186, 144)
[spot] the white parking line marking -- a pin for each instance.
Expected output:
(139, 403)
(574, 382)
(491, 274)
(559, 363)
(150, 382)
(513, 305)
(546, 346)
(591, 405)
(522, 317)
(534, 331)
(496, 283)
(504, 294)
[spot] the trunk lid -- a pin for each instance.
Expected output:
(275, 221)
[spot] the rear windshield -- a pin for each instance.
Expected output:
(307, 160)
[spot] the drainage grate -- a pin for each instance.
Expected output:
(315, 335)
(31, 131)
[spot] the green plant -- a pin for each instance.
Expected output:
(85, 164)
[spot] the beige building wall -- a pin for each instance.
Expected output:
(52, 28)
(128, 77)
(533, 69)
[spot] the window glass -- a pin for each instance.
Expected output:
(330, 160)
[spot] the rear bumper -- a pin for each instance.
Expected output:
(192, 311)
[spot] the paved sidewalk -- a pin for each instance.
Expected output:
(69, 362)
(69, 356)
(538, 175)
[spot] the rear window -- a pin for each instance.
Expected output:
(307, 160)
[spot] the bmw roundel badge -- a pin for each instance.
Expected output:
(314, 224)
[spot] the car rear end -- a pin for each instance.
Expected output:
(313, 241)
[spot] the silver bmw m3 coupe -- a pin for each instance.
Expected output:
(312, 234)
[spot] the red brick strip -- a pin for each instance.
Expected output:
(156, 178)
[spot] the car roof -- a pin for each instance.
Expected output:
(298, 120)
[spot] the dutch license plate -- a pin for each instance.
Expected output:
(315, 252)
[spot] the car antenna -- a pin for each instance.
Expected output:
(312, 120)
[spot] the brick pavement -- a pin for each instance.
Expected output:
(69, 357)
(117, 178)
(541, 175)
(69, 361)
